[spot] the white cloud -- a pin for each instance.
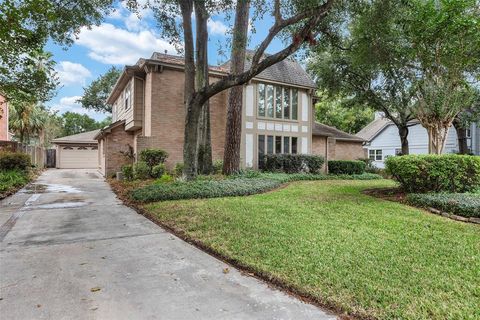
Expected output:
(216, 27)
(70, 73)
(112, 45)
(70, 103)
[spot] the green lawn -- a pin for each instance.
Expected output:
(366, 256)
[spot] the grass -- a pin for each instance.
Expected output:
(11, 180)
(358, 254)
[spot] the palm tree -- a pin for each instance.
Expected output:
(26, 120)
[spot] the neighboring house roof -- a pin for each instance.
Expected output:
(84, 137)
(323, 130)
(372, 129)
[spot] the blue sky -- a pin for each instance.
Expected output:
(121, 40)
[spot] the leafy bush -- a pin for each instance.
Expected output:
(346, 167)
(127, 171)
(141, 170)
(11, 179)
(293, 163)
(217, 166)
(165, 178)
(369, 166)
(153, 157)
(14, 161)
(203, 189)
(463, 204)
(178, 170)
(158, 170)
(314, 163)
(435, 173)
(285, 177)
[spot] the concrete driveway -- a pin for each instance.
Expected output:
(70, 250)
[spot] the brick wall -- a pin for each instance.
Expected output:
(3, 120)
(349, 150)
(116, 141)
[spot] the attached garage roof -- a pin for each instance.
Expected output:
(84, 137)
(323, 130)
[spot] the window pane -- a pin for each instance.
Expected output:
(294, 104)
(278, 102)
(286, 144)
(261, 100)
(294, 144)
(269, 144)
(286, 103)
(278, 144)
(371, 154)
(270, 101)
(261, 151)
(379, 155)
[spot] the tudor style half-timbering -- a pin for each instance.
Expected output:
(148, 112)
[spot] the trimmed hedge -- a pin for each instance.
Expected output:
(203, 189)
(435, 173)
(153, 157)
(346, 166)
(293, 163)
(284, 177)
(463, 204)
(14, 161)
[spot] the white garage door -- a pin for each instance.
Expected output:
(78, 157)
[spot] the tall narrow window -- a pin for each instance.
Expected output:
(128, 97)
(270, 97)
(261, 151)
(294, 144)
(286, 103)
(269, 144)
(261, 100)
(278, 102)
(294, 104)
(286, 144)
(278, 144)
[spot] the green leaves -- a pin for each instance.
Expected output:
(96, 94)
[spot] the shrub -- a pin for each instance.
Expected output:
(165, 178)
(14, 161)
(141, 170)
(159, 170)
(314, 163)
(203, 189)
(293, 163)
(12, 179)
(127, 171)
(435, 173)
(153, 157)
(464, 204)
(178, 170)
(217, 166)
(346, 167)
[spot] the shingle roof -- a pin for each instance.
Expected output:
(323, 130)
(373, 128)
(286, 71)
(84, 137)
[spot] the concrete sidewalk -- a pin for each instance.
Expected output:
(71, 250)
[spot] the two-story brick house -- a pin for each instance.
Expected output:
(278, 115)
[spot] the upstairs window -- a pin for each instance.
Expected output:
(277, 102)
(128, 97)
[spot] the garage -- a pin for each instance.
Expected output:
(78, 151)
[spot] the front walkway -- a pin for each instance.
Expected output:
(70, 250)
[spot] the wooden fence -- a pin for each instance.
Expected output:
(37, 154)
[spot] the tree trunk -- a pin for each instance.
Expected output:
(233, 130)
(461, 137)
(201, 81)
(403, 132)
(436, 139)
(192, 107)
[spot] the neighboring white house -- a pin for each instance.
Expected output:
(382, 140)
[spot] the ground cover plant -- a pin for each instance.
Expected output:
(212, 186)
(326, 240)
(463, 204)
(15, 172)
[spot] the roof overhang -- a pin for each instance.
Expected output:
(103, 132)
